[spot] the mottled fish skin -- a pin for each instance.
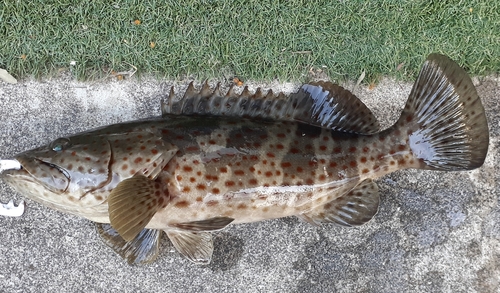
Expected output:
(213, 160)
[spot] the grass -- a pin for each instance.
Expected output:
(259, 40)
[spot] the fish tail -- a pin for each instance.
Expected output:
(444, 118)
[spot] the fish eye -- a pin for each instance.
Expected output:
(60, 144)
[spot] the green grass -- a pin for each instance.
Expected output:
(259, 40)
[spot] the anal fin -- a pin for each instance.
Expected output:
(143, 249)
(197, 247)
(133, 203)
(354, 208)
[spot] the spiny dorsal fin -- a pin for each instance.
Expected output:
(132, 204)
(321, 104)
(143, 249)
(195, 246)
(212, 224)
(352, 209)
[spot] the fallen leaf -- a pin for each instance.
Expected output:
(238, 81)
(5, 76)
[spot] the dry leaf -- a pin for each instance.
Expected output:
(238, 81)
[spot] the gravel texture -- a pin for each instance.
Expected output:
(434, 232)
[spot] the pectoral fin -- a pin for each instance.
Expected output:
(142, 249)
(351, 209)
(133, 203)
(195, 246)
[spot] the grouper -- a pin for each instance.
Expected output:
(213, 160)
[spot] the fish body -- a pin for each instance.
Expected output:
(215, 160)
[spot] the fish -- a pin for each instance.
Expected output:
(212, 160)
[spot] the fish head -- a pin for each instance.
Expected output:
(76, 174)
(64, 171)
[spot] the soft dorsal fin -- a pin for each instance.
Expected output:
(132, 204)
(143, 249)
(351, 209)
(321, 104)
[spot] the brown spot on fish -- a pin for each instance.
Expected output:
(199, 199)
(179, 178)
(186, 189)
(201, 186)
(270, 155)
(187, 168)
(363, 160)
(294, 150)
(337, 150)
(154, 151)
(268, 174)
(353, 164)
(299, 169)
(323, 147)
(278, 173)
(286, 164)
(242, 206)
(279, 146)
(252, 169)
(239, 172)
(138, 160)
(223, 170)
(182, 204)
(366, 149)
(352, 149)
(365, 171)
(229, 183)
(252, 181)
(192, 179)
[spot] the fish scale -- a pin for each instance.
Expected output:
(253, 182)
(213, 160)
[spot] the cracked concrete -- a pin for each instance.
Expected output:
(434, 232)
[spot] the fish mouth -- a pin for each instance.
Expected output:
(51, 176)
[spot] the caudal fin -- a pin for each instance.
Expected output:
(444, 118)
